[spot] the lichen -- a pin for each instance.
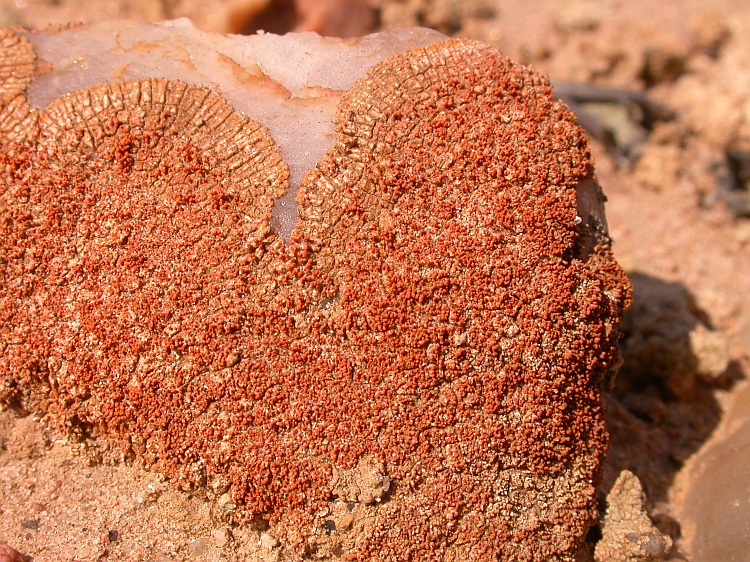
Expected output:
(432, 313)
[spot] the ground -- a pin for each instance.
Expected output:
(677, 178)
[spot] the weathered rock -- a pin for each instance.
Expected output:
(628, 535)
(425, 352)
(715, 509)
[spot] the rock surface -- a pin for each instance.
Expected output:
(628, 535)
(673, 213)
(717, 504)
(426, 352)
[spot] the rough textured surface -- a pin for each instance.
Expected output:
(17, 61)
(628, 535)
(290, 84)
(16, 64)
(429, 350)
(667, 215)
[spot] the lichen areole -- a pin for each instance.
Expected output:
(415, 374)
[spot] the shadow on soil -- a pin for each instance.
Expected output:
(662, 408)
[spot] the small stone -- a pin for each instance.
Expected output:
(202, 547)
(32, 525)
(226, 504)
(221, 537)
(268, 541)
(628, 535)
(711, 350)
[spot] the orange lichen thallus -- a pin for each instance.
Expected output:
(432, 334)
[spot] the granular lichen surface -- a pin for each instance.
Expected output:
(432, 326)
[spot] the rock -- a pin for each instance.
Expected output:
(429, 323)
(628, 535)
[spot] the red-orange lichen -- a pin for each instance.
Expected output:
(431, 314)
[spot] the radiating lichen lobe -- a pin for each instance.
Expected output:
(421, 363)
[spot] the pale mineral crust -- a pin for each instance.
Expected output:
(415, 374)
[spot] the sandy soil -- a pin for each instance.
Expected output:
(678, 205)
